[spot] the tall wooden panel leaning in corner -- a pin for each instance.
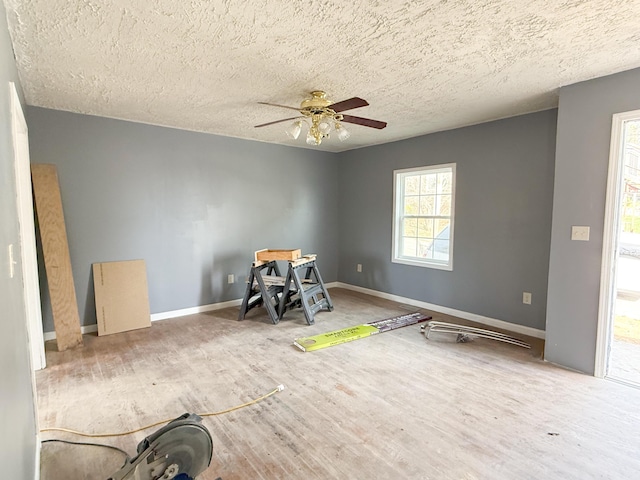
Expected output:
(57, 262)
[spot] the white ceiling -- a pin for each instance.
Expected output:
(423, 65)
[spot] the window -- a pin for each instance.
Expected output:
(423, 207)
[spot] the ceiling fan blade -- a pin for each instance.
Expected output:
(281, 106)
(348, 104)
(367, 122)
(277, 121)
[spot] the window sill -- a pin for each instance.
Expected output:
(424, 264)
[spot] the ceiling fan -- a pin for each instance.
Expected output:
(321, 115)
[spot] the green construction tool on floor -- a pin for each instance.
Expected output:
(316, 342)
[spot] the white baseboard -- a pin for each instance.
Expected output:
(208, 308)
(83, 329)
(161, 316)
(36, 475)
(532, 332)
(492, 322)
(190, 311)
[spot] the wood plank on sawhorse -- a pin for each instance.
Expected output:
(263, 289)
(57, 262)
(312, 294)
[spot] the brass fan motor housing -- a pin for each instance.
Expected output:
(318, 101)
(317, 109)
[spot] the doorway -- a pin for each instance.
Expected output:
(619, 323)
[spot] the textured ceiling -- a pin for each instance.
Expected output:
(422, 65)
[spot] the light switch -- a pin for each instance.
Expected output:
(580, 233)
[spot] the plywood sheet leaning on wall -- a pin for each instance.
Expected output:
(122, 296)
(57, 262)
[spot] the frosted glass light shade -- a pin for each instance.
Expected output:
(294, 129)
(343, 133)
(324, 127)
(311, 140)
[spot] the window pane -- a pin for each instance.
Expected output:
(441, 249)
(428, 205)
(412, 185)
(408, 247)
(442, 228)
(428, 184)
(410, 227)
(424, 248)
(411, 205)
(444, 182)
(444, 205)
(425, 227)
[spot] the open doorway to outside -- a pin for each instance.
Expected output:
(619, 332)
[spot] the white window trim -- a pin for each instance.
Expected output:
(397, 227)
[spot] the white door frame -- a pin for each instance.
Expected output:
(610, 242)
(29, 258)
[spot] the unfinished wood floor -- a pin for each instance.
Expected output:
(392, 406)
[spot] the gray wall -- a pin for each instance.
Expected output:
(582, 159)
(17, 411)
(197, 206)
(502, 217)
(194, 206)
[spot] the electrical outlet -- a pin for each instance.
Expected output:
(359, 267)
(580, 233)
(231, 278)
(526, 298)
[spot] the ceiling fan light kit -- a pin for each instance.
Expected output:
(321, 116)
